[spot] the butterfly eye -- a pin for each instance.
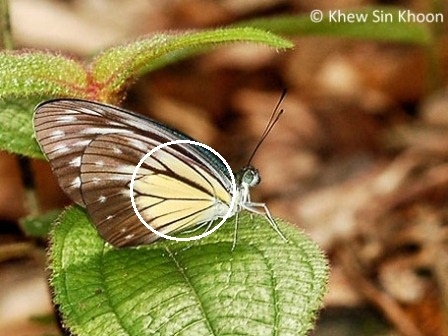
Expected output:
(251, 176)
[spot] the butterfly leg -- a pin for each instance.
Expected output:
(207, 226)
(235, 233)
(262, 209)
(248, 201)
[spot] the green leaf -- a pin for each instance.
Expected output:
(25, 74)
(16, 134)
(115, 67)
(39, 226)
(368, 29)
(264, 287)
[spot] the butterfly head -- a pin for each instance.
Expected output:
(247, 176)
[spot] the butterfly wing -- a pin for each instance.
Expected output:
(174, 189)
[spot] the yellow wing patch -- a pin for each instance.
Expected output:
(181, 197)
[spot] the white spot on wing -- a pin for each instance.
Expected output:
(125, 169)
(137, 143)
(118, 177)
(76, 162)
(102, 199)
(66, 119)
(82, 143)
(89, 111)
(134, 123)
(110, 217)
(76, 182)
(60, 149)
(129, 236)
(103, 130)
(117, 151)
(57, 134)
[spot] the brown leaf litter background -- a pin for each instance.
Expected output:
(358, 160)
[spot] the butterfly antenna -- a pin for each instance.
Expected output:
(275, 116)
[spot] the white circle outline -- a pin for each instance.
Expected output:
(174, 142)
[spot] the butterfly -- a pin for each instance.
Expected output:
(93, 149)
